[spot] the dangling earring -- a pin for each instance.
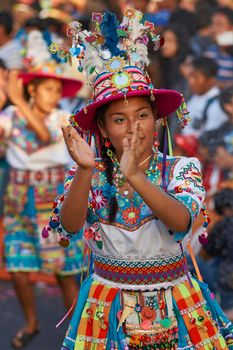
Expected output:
(156, 143)
(108, 144)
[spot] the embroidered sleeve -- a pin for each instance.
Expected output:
(186, 186)
(55, 223)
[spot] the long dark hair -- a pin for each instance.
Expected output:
(100, 118)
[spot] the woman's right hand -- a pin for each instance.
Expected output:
(15, 89)
(78, 148)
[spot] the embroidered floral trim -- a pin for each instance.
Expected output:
(98, 199)
(131, 215)
(189, 203)
(93, 233)
(129, 228)
(191, 173)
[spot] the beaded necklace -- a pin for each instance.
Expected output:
(119, 180)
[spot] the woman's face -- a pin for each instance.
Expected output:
(46, 94)
(121, 119)
(170, 47)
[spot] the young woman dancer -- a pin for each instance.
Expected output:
(134, 205)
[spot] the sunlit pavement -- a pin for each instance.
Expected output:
(50, 312)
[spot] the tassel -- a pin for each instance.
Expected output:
(194, 261)
(164, 157)
(170, 150)
(67, 314)
(45, 232)
(186, 266)
(183, 114)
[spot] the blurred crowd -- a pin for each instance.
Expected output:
(196, 59)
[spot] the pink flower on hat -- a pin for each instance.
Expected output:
(97, 17)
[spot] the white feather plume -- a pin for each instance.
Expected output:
(136, 32)
(91, 56)
(142, 51)
(37, 48)
(137, 29)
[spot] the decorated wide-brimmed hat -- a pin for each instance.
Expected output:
(113, 57)
(39, 63)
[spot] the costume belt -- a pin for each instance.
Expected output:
(161, 271)
(47, 176)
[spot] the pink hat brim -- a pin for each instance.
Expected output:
(70, 86)
(166, 102)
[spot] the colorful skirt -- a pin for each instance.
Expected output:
(27, 209)
(184, 315)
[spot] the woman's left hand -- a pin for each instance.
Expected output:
(130, 156)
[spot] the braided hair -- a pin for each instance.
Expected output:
(113, 206)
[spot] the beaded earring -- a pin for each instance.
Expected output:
(108, 144)
(156, 142)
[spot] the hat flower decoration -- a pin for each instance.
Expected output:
(113, 57)
(40, 63)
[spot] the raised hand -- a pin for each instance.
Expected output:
(130, 156)
(15, 90)
(3, 84)
(78, 148)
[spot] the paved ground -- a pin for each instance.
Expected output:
(50, 311)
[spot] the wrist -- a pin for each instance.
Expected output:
(85, 170)
(20, 103)
(135, 178)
